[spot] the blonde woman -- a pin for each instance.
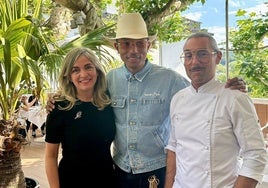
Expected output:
(82, 123)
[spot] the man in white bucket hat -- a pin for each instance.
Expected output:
(141, 93)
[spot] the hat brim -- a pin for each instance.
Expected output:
(151, 38)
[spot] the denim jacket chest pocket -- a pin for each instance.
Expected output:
(152, 111)
(119, 104)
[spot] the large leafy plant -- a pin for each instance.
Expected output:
(18, 69)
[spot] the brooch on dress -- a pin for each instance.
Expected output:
(78, 115)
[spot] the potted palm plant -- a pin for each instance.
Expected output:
(15, 76)
(18, 71)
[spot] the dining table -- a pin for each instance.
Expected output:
(36, 115)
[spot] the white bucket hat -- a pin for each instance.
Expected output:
(132, 26)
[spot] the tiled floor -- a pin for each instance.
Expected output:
(33, 163)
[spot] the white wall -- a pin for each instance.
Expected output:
(169, 56)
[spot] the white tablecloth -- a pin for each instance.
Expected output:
(36, 115)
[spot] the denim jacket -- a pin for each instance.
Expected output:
(141, 104)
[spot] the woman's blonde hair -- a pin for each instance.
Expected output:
(67, 89)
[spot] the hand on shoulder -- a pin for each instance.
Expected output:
(236, 83)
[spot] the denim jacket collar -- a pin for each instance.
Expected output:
(141, 74)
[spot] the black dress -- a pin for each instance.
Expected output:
(85, 134)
